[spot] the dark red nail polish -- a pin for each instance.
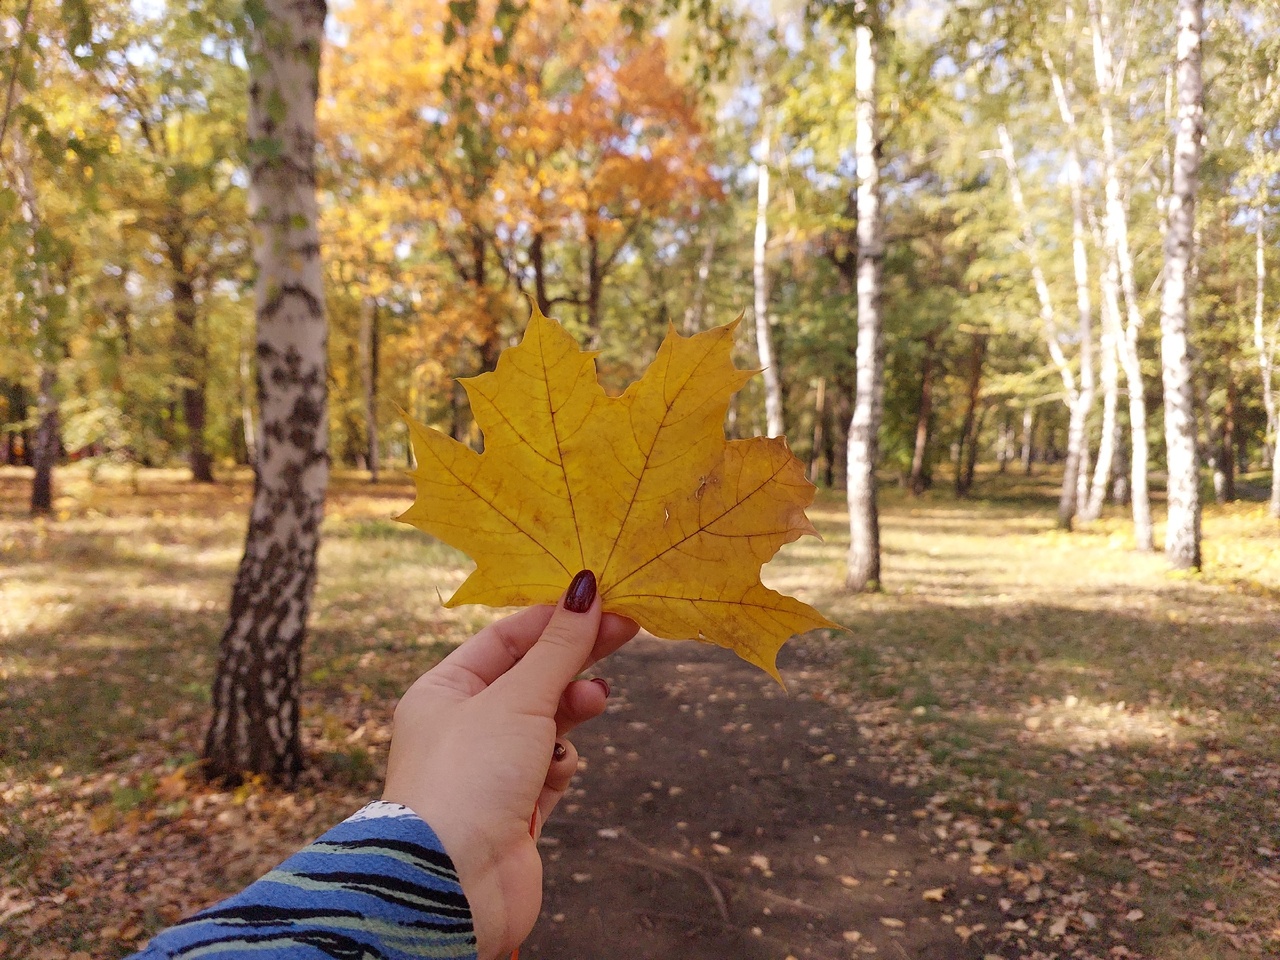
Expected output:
(604, 685)
(581, 592)
(559, 751)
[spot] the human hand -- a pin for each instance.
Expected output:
(479, 745)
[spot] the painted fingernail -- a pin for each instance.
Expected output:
(558, 753)
(582, 590)
(604, 685)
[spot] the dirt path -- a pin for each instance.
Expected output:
(719, 817)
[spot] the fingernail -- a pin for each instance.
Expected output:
(604, 685)
(582, 590)
(558, 753)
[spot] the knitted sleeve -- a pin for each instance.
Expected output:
(378, 885)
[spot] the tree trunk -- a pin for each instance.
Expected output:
(1117, 242)
(1074, 480)
(1228, 433)
(864, 427)
(838, 435)
(1092, 507)
(1266, 354)
(1049, 322)
(924, 418)
(971, 451)
(1211, 442)
(818, 450)
(1182, 540)
(595, 288)
(44, 448)
(968, 431)
(538, 259)
(1028, 439)
(369, 345)
(43, 451)
(192, 360)
(764, 338)
(255, 724)
(695, 314)
(1004, 442)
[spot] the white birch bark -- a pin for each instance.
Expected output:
(1182, 539)
(1052, 337)
(1266, 353)
(764, 338)
(1076, 471)
(864, 426)
(1110, 376)
(255, 724)
(1116, 231)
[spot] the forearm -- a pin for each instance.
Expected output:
(379, 884)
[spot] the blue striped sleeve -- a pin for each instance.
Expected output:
(378, 885)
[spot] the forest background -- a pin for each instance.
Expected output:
(999, 241)
(605, 164)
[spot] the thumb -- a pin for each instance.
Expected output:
(536, 683)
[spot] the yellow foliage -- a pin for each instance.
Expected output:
(643, 489)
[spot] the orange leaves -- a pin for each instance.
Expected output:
(643, 489)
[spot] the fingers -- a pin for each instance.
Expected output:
(535, 684)
(492, 651)
(581, 701)
(502, 644)
(559, 775)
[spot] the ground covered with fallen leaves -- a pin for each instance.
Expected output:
(1033, 744)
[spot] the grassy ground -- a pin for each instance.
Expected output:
(1103, 721)
(1111, 728)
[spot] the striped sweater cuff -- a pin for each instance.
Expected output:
(377, 885)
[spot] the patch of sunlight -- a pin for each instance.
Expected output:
(22, 668)
(31, 605)
(1081, 723)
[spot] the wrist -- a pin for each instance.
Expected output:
(496, 914)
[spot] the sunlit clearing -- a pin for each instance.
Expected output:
(1078, 723)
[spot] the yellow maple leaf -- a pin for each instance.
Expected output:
(642, 489)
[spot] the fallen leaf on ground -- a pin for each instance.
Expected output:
(643, 489)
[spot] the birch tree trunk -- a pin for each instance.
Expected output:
(864, 426)
(255, 727)
(1266, 354)
(44, 447)
(1116, 231)
(1075, 474)
(764, 339)
(1049, 325)
(1110, 374)
(1182, 540)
